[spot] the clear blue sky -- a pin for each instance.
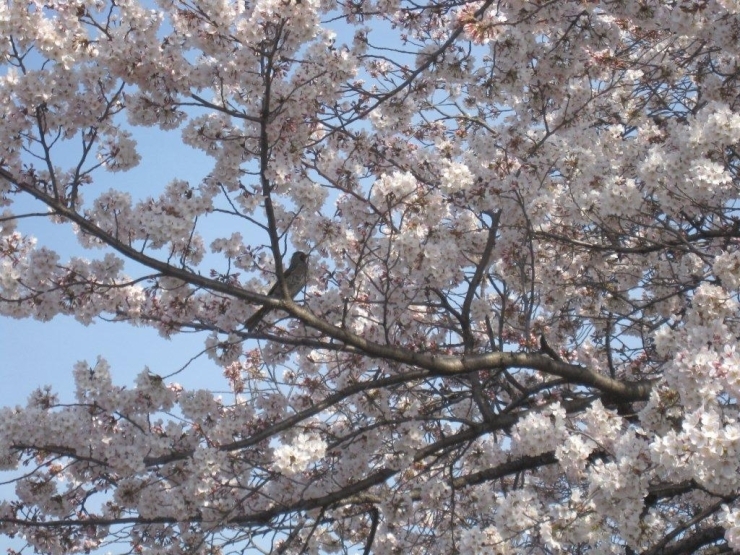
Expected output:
(34, 353)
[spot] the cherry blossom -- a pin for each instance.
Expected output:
(519, 329)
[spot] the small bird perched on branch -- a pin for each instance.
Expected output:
(295, 280)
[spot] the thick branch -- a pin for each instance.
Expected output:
(435, 365)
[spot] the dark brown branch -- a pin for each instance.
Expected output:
(435, 365)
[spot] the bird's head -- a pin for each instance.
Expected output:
(298, 257)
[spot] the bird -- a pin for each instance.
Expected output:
(295, 279)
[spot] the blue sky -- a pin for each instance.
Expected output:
(34, 353)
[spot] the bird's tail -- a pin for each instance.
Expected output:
(254, 320)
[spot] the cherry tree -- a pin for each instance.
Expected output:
(519, 323)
